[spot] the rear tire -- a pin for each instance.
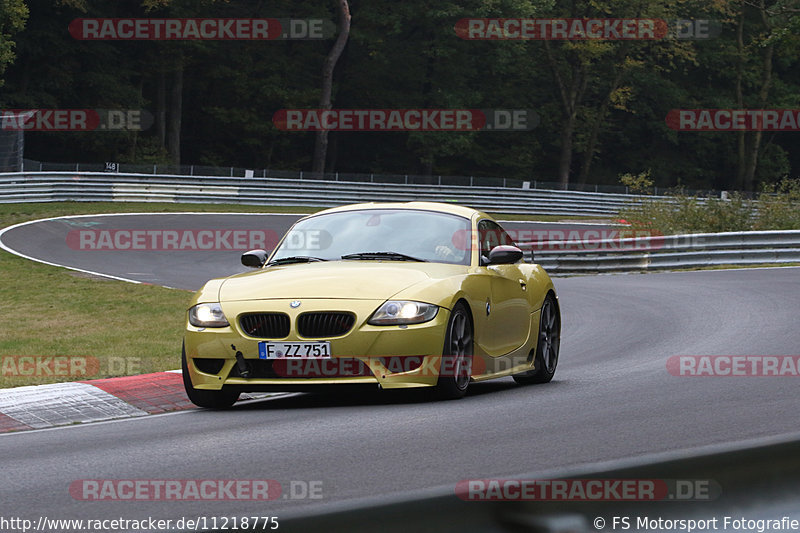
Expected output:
(456, 355)
(213, 399)
(547, 347)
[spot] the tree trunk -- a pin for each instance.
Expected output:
(583, 175)
(428, 157)
(752, 156)
(565, 157)
(571, 96)
(161, 110)
(763, 97)
(740, 136)
(175, 114)
(333, 152)
(135, 133)
(321, 142)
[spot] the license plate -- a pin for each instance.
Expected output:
(294, 350)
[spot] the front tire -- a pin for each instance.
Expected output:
(547, 347)
(456, 367)
(213, 399)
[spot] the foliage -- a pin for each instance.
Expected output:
(776, 208)
(639, 183)
(779, 206)
(407, 55)
(13, 14)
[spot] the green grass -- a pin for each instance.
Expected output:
(125, 328)
(50, 311)
(120, 328)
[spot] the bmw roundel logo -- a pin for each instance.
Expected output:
(294, 304)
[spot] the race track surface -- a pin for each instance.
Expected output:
(612, 398)
(59, 241)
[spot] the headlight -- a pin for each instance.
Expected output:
(396, 312)
(207, 316)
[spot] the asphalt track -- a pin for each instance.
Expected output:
(58, 241)
(612, 398)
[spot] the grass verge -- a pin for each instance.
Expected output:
(76, 326)
(58, 325)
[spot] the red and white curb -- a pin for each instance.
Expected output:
(59, 404)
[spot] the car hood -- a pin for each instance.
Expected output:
(373, 280)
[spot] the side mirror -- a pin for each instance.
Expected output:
(504, 255)
(255, 258)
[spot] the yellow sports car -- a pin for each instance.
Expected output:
(393, 295)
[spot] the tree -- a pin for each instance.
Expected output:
(321, 145)
(13, 14)
(591, 76)
(773, 22)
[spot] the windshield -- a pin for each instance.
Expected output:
(370, 233)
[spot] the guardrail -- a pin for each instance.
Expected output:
(755, 480)
(666, 252)
(563, 257)
(409, 179)
(99, 186)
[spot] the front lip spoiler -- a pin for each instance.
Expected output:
(323, 388)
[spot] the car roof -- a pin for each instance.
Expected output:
(439, 207)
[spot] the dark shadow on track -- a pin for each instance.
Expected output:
(376, 397)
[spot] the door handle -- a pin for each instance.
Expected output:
(523, 284)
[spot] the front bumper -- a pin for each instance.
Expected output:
(388, 356)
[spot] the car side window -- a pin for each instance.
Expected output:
(491, 234)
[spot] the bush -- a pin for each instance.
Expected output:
(639, 183)
(777, 207)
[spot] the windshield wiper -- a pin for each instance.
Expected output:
(295, 259)
(391, 256)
